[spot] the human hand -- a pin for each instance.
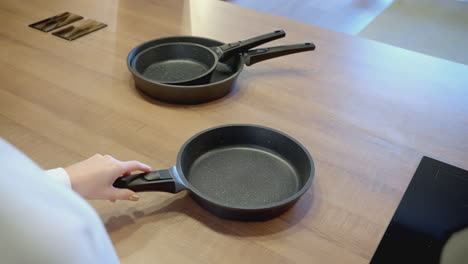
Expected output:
(93, 178)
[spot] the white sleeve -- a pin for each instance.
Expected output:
(45, 222)
(60, 175)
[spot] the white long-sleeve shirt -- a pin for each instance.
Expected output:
(42, 220)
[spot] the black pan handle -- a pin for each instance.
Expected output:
(162, 180)
(228, 50)
(258, 55)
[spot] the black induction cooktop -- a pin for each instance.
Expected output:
(433, 208)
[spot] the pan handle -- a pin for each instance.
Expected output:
(162, 180)
(258, 55)
(228, 50)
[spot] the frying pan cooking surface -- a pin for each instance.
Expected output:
(244, 176)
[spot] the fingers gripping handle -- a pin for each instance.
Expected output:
(162, 180)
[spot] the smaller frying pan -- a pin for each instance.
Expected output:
(241, 172)
(182, 63)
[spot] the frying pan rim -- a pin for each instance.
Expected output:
(179, 43)
(195, 191)
(132, 54)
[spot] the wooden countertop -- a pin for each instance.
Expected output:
(366, 111)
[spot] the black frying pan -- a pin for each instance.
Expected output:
(241, 172)
(184, 63)
(221, 81)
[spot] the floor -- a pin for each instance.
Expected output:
(437, 28)
(345, 16)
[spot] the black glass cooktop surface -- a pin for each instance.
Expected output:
(430, 225)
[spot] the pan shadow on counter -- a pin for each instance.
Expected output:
(268, 72)
(183, 204)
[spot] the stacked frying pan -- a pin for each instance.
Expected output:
(192, 70)
(242, 171)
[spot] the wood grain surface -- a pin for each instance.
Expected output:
(366, 111)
